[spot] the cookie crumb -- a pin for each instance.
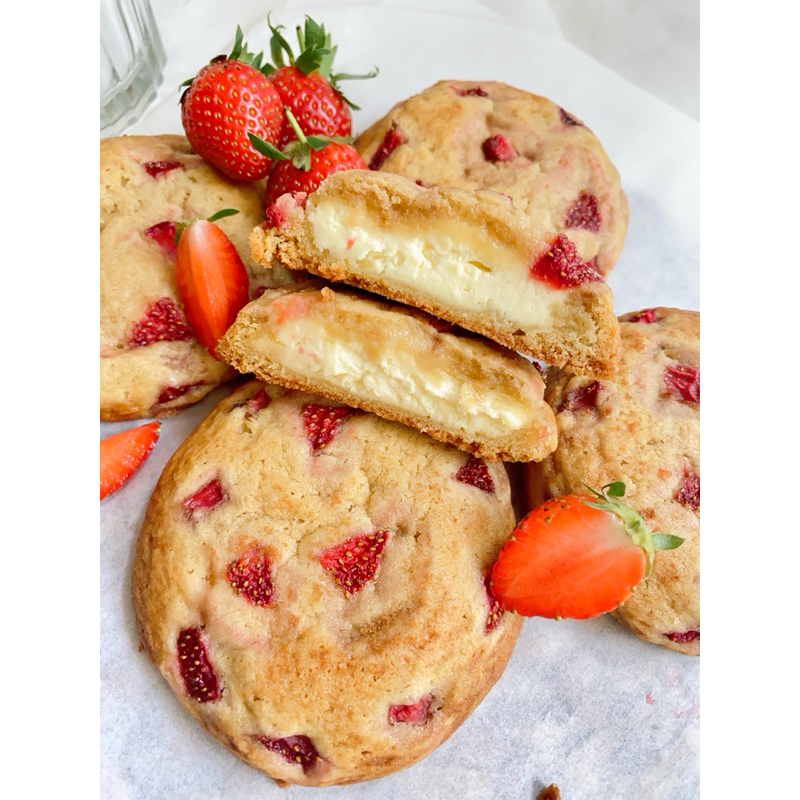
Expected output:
(551, 792)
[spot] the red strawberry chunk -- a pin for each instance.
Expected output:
(647, 315)
(568, 119)
(683, 638)
(355, 562)
(295, 749)
(689, 492)
(169, 393)
(476, 473)
(414, 714)
(322, 422)
(277, 214)
(258, 401)
(561, 266)
(156, 168)
(498, 148)
(584, 213)
(390, 143)
(496, 611)
(473, 91)
(249, 576)
(162, 322)
(206, 497)
(163, 234)
(198, 675)
(683, 382)
(581, 398)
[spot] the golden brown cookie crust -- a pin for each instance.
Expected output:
(584, 333)
(317, 662)
(376, 328)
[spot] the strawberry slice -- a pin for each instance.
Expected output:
(122, 454)
(414, 713)
(576, 556)
(212, 281)
(354, 563)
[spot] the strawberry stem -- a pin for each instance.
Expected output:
(635, 526)
(181, 226)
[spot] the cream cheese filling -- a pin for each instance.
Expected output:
(398, 379)
(451, 264)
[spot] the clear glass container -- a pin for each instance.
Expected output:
(132, 62)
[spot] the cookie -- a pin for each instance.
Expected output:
(467, 257)
(311, 581)
(488, 135)
(642, 428)
(150, 362)
(396, 362)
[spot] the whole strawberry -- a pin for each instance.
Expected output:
(576, 556)
(306, 84)
(305, 162)
(226, 100)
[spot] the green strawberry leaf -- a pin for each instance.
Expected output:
(666, 541)
(225, 212)
(265, 148)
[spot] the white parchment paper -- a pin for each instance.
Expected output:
(584, 705)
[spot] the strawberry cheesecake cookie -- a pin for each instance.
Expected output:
(470, 258)
(151, 364)
(312, 583)
(487, 135)
(397, 362)
(642, 428)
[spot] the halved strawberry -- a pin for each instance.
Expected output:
(212, 280)
(122, 454)
(576, 556)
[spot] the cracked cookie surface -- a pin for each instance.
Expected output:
(311, 581)
(642, 428)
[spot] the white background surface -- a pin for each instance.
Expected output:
(584, 705)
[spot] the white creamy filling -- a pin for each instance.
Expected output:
(398, 380)
(459, 271)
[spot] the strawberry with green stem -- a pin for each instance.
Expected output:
(227, 99)
(308, 85)
(305, 162)
(576, 556)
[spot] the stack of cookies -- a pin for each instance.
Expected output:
(312, 573)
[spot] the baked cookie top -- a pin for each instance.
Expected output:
(150, 362)
(468, 257)
(488, 135)
(311, 581)
(397, 362)
(642, 428)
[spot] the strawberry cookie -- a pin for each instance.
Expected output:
(469, 258)
(312, 583)
(487, 135)
(151, 364)
(642, 428)
(398, 363)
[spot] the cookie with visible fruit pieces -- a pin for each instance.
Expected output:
(488, 135)
(312, 583)
(151, 364)
(642, 428)
(396, 362)
(467, 257)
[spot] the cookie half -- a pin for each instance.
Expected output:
(151, 364)
(398, 363)
(488, 135)
(467, 257)
(642, 428)
(311, 581)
